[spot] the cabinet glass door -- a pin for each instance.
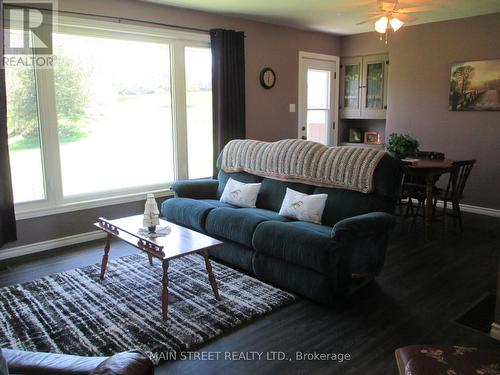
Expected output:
(374, 85)
(351, 86)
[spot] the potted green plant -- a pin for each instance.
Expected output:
(402, 145)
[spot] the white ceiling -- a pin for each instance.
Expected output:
(335, 16)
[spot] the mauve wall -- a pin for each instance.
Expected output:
(267, 112)
(62, 225)
(419, 74)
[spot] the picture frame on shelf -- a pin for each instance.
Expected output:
(355, 135)
(373, 138)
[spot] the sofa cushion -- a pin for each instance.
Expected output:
(272, 193)
(305, 244)
(190, 213)
(342, 204)
(266, 214)
(217, 203)
(321, 229)
(233, 224)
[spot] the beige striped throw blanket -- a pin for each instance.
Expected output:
(303, 161)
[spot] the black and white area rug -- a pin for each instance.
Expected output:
(74, 313)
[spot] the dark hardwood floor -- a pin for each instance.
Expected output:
(423, 288)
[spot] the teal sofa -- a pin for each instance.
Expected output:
(319, 262)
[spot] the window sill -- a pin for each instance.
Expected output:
(85, 205)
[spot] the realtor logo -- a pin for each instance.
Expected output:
(28, 28)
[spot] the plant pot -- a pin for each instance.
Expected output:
(397, 155)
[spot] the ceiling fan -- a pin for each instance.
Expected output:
(391, 14)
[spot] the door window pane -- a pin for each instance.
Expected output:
(24, 134)
(351, 84)
(318, 87)
(317, 126)
(374, 86)
(114, 112)
(199, 111)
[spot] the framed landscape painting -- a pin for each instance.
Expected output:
(475, 86)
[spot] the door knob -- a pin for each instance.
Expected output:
(303, 137)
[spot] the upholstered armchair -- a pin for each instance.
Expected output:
(31, 363)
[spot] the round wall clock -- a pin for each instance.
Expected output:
(267, 78)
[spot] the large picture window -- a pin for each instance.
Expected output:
(24, 135)
(124, 111)
(114, 106)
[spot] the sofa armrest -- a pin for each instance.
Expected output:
(362, 226)
(126, 363)
(32, 363)
(196, 189)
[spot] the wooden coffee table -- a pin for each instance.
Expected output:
(179, 242)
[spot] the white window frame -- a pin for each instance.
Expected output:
(55, 202)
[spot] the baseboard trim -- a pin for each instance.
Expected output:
(480, 210)
(474, 209)
(495, 331)
(38, 247)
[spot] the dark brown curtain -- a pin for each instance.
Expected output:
(228, 87)
(7, 216)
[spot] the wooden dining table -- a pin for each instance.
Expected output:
(430, 170)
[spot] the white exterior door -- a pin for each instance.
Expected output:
(318, 98)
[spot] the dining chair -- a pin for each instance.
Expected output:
(455, 189)
(404, 194)
(414, 186)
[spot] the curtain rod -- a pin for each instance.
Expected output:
(119, 19)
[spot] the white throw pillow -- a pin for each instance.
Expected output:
(303, 207)
(240, 194)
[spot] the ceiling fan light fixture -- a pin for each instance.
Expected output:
(396, 23)
(381, 25)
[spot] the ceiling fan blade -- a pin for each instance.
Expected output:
(388, 7)
(417, 9)
(406, 17)
(363, 22)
